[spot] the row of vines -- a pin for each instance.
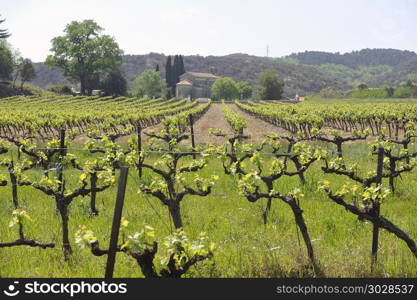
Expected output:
(37, 151)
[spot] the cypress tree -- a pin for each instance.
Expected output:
(168, 76)
(157, 68)
(182, 68)
(168, 72)
(175, 76)
(176, 69)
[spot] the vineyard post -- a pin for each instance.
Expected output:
(93, 184)
(62, 142)
(13, 181)
(376, 207)
(111, 258)
(190, 118)
(139, 132)
(60, 169)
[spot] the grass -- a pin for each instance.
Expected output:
(245, 247)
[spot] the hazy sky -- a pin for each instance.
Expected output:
(218, 27)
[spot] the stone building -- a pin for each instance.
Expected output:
(195, 85)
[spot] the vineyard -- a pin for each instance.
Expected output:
(240, 189)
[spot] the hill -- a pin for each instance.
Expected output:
(298, 78)
(355, 59)
(303, 73)
(374, 67)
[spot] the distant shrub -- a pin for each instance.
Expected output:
(390, 91)
(403, 92)
(373, 93)
(60, 89)
(330, 93)
(414, 92)
(31, 89)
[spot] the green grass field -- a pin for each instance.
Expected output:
(245, 247)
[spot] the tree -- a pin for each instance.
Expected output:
(17, 67)
(6, 61)
(270, 86)
(245, 91)
(84, 53)
(177, 71)
(178, 68)
(390, 91)
(224, 88)
(173, 71)
(409, 83)
(362, 86)
(149, 84)
(181, 66)
(27, 72)
(168, 74)
(3, 32)
(157, 68)
(114, 84)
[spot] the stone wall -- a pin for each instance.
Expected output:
(201, 87)
(184, 91)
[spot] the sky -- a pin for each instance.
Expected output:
(218, 27)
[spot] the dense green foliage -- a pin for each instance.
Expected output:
(6, 61)
(365, 93)
(27, 72)
(270, 86)
(114, 84)
(245, 90)
(224, 88)
(149, 84)
(173, 71)
(84, 53)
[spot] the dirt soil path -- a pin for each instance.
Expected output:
(213, 118)
(258, 129)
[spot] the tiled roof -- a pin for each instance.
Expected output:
(202, 75)
(184, 82)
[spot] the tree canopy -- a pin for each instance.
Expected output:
(224, 88)
(270, 86)
(27, 72)
(84, 53)
(6, 61)
(245, 91)
(149, 84)
(114, 84)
